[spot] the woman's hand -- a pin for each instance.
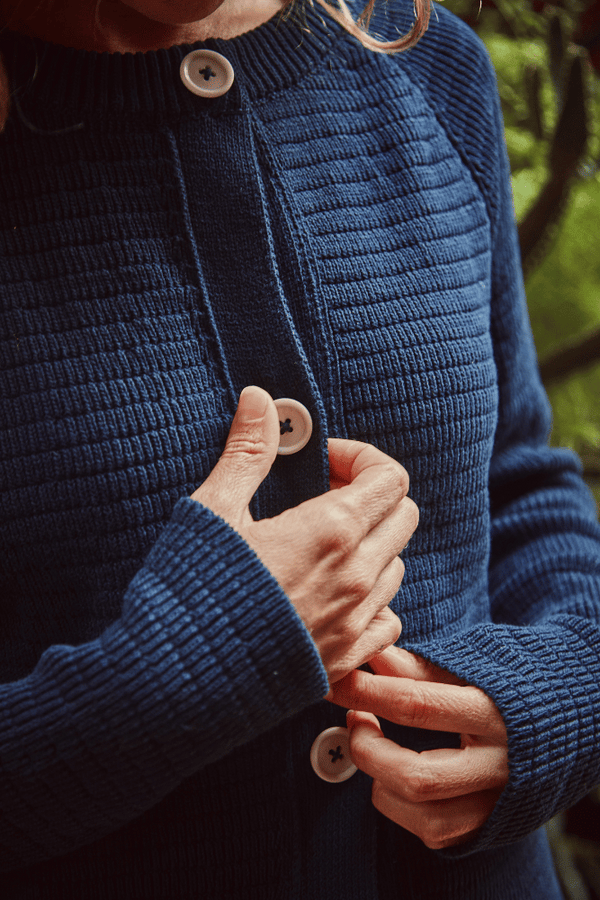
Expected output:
(335, 556)
(442, 796)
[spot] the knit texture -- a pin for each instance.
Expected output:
(338, 228)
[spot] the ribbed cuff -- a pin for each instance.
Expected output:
(207, 574)
(544, 682)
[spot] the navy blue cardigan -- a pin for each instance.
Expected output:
(337, 228)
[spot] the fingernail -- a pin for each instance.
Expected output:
(349, 713)
(253, 402)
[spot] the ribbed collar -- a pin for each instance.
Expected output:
(73, 83)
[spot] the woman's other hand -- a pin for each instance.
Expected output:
(442, 796)
(335, 556)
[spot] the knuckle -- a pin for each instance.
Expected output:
(340, 532)
(395, 632)
(417, 713)
(398, 571)
(395, 479)
(385, 629)
(418, 785)
(393, 626)
(413, 513)
(359, 586)
(244, 444)
(349, 632)
(403, 480)
(436, 832)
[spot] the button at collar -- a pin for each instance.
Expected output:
(295, 426)
(206, 73)
(330, 755)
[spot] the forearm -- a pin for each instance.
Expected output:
(207, 654)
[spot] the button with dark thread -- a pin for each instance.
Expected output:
(295, 426)
(330, 755)
(206, 73)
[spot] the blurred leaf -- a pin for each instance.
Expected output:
(576, 417)
(523, 149)
(564, 292)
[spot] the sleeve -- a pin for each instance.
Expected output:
(539, 660)
(197, 664)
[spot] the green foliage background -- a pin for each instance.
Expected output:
(563, 290)
(563, 285)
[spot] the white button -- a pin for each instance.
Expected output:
(330, 755)
(206, 73)
(295, 426)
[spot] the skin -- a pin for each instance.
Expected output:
(344, 544)
(442, 796)
(345, 547)
(135, 25)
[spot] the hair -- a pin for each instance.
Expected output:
(359, 28)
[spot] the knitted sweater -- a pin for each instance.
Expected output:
(337, 228)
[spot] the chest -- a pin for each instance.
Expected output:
(126, 331)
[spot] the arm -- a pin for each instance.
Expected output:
(538, 658)
(101, 732)
(208, 652)
(522, 693)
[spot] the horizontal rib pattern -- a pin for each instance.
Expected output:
(159, 694)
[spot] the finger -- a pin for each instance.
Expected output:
(443, 823)
(400, 663)
(389, 537)
(347, 459)
(382, 593)
(432, 775)
(249, 453)
(439, 822)
(420, 704)
(383, 629)
(369, 481)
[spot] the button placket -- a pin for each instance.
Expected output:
(257, 338)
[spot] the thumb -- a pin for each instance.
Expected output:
(249, 453)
